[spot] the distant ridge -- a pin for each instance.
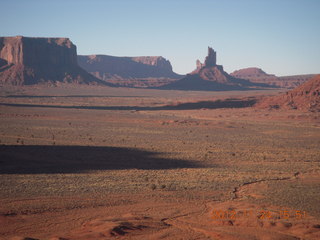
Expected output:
(257, 75)
(146, 71)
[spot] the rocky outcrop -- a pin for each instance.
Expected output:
(199, 64)
(129, 71)
(211, 59)
(211, 77)
(257, 75)
(25, 61)
(304, 97)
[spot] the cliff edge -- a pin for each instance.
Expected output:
(28, 60)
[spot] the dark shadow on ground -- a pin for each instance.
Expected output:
(72, 96)
(34, 159)
(227, 103)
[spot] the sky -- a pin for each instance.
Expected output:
(280, 36)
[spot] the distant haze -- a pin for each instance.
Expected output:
(280, 37)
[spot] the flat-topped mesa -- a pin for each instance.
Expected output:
(211, 59)
(38, 51)
(157, 61)
(31, 60)
(143, 71)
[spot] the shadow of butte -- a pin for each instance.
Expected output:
(227, 103)
(38, 159)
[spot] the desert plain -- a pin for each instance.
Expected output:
(92, 162)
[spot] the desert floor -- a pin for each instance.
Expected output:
(114, 163)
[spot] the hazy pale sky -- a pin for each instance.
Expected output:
(280, 36)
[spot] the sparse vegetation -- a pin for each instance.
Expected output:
(183, 155)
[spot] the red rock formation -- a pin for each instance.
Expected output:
(129, 71)
(211, 59)
(211, 77)
(199, 64)
(259, 76)
(304, 97)
(25, 60)
(251, 72)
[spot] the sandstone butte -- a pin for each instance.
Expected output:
(28, 60)
(211, 77)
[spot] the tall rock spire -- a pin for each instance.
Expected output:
(211, 59)
(211, 77)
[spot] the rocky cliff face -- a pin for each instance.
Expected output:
(211, 59)
(211, 77)
(129, 71)
(38, 51)
(257, 75)
(25, 60)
